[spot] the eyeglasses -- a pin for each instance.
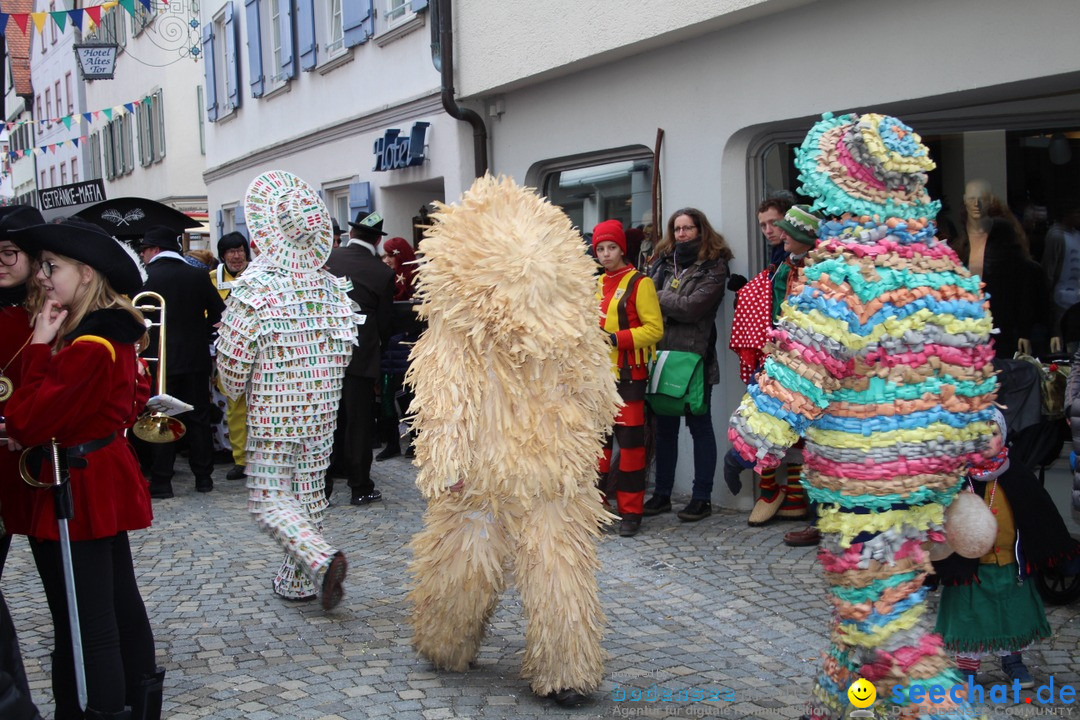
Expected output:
(685, 228)
(47, 268)
(9, 256)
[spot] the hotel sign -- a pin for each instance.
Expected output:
(394, 151)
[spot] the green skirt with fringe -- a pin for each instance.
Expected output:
(993, 615)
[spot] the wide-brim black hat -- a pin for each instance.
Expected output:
(162, 236)
(16, 217)
(87, 244)
(368, 224)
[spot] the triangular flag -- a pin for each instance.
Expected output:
(76, 18)
(96, 113)
(67, 121)
(94, 13)
(20, 20)
(128, 5)
(130, 107)
(75, 142)
(39, 20)
(89, 117)
(108, 114)
(60, 18)
(149, 102)
(52, 148)
(148, 4)
(3, 22)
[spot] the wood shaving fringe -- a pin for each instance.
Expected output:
(513, 397)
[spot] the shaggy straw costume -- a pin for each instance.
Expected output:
(514, 395)
(881, 360)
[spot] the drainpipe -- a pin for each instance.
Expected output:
(456, 111)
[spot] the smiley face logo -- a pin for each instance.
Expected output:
(862, 693)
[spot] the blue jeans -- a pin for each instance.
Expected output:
(667, 451)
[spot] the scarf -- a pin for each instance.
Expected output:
(13, 295)
(686, 253)
(990, 468)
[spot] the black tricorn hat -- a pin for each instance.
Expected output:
(16, 217)
(161, 236)
(368, 224)
(88, 244)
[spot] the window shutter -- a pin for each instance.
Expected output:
(288, 58)
(232, 62)
(357, 21)
(159, 112)
(220, 226)
(239, 221)
(211, 81)
(254, 43)
(305, 33)
(418, 5)
(359, 199)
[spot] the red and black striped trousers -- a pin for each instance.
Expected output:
(627, 481)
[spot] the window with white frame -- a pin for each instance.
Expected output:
(63, 174)
(337, 200)
(59, 102)
(335, 31)
(48, 107)
(112, 29)
(52, 8)
(221, 65)
(74, 170)
(70, 98)
(142, 17)
(275, 35)
(52, 176)
(396, 10)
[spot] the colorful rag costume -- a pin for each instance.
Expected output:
(286, 337)
(881, 360)
(514, 395)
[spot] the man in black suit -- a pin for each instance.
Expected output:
(373, 292)
(192, 309)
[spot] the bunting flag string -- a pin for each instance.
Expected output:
(45, 149)
(61, 18)
(87, 117)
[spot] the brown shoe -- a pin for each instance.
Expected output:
(806, 537)
(333, 581)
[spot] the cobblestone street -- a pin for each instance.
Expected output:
(715, 605)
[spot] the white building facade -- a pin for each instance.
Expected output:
(574, 93)
(59, 100)
(312, 87)
(153, 146)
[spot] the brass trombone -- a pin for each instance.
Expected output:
(156, 427)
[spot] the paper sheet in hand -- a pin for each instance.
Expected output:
(168, 405)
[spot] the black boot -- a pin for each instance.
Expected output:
(14, 703)
(146, 703)
(96, 715)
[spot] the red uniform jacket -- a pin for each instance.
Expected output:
(16, 497)
(92, 387)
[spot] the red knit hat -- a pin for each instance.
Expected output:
(609, 231)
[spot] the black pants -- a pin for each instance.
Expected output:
(15, 702)
(193, 388)
(355, 434)
(118, 645)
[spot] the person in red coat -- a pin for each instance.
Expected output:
(16, 498)
(83, 385)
